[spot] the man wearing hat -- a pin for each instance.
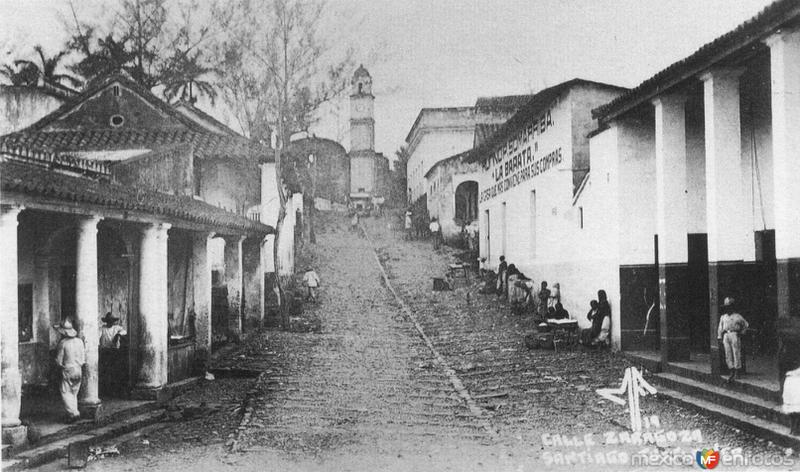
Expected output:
(731, 326)
(111, 332)
(70, 356)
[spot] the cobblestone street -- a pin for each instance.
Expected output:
(366, 390)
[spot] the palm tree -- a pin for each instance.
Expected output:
(110, 56)
(47, 70)
(186, 78)
(21, 75)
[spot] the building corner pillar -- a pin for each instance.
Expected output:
(86, 313)
(785, 84)
(14, 433)
(153, 308)
(672, 226)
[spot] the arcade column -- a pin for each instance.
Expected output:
(785, 74)
(234, 281)
(202, 293)
(732, 271)
(153, 308)
(671, 223)
(86, 313)
(14, 433)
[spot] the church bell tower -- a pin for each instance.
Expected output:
(362, 123)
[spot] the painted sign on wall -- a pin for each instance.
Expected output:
(519, 159)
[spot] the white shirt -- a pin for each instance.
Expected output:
(434, 227)
(107, 335)
(311, 279)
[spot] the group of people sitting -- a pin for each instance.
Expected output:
(545, 303)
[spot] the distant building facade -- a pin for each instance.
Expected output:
(533, 171)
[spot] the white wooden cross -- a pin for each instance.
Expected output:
(635, 385)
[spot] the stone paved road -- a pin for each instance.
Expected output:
(365, 391)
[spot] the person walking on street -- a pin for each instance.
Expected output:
(502, 277)
(70, 357)
(354, 222)
(731, 326)
(436, 233)
(311, 279)
(408, 226)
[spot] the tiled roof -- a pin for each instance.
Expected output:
(534, 107)
(484, 131)
(101, 83)
(40, 181)
(749, 33)
(508, 102)
(207, 145)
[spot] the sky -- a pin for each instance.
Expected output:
(444, 53)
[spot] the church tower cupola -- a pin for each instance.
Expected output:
(361, 84)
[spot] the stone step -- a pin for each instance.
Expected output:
(759, 427)
(55, 450)
(742, 387)
(751, 405)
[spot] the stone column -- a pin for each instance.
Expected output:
(87, 316)
(202, 293)
(13, 432)
(731, 247)
(785, 73)
(671, 223)
(253, 282)
(234, 282)
(153, 308)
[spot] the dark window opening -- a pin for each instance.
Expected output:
(115, 91)
(117, 121)
(360, 87)
(580, 211)
(25, 312)
(467, 201)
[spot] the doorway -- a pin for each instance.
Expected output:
(697, 293)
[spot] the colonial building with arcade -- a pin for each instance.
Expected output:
(116, 202)
(702, 161)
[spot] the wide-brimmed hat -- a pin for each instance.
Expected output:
(109, 318)
(729, 301)
(66, 328)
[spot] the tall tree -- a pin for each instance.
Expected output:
(399, 187)
(278, 69)
(158, 42)
(48, 68)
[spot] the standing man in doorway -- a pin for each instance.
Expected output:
(731, 326)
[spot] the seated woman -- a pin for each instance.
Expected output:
(517, 285)
(560, 312)
(587, 334)
(602, 321)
